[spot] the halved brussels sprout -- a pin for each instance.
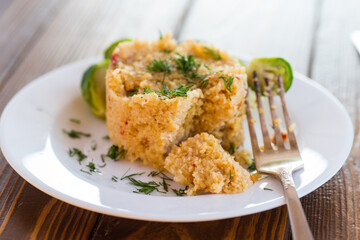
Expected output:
(93, 88)
(93, 83)
(270, 68)
(109, 51)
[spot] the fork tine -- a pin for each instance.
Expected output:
(291, 135)
(264, 130)
(274, 117)
(251, 121)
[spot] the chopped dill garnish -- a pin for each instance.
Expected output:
(76, 152)
(101, 166)
(269, 189)
(232, 148)
(106, 137)
(131, 175)
(230, 175)
(85, 171)
(114, 178)
(132, 92)
(252, 166)
(76, 134)
(102, 157)
(160, 66)
(165, 51)
(165, 185)
(206, 66)
(186, 64)
(145, 187)
(156, 173)
(94, 147)
(181, 91)
(160, 35)
(180, 192)
(92, 167)
(212, 53)
(116, 153)
(74, 120)
(203, 83)
(227, 82)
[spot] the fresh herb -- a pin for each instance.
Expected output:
(207, 67)
(181, 91)
(186, 64)
(101, 166)
(227, 82)
(269, 189)
(144, 187)
(92, 167)
(232, 148)
(114, 178)
(212, 53)
(74, 120)
(252, 166)
(203, 83)
(180, 192)
(76, 134)
(165, 51)
(102, 157)
(76, 152)
(131, 175)
(156, 173)
(165, 185)
(116, 153)
(94, 146)
(85, 171)
(106, 137)
(160, 66)
(230, 175)
(132, 92)
(160, 35)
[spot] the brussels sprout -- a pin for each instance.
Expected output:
(109, 51)
(270, 68)
(93, 88)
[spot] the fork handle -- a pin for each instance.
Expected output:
(299, 225)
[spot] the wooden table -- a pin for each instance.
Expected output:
(40, 35)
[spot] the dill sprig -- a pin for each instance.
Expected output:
(74, 120)
(106, 137)
(92, 167)
(212, 53)
(203, 83)
(94, 147)
(132, 92)
(232, 148)
(114, 178)
(76, 152)
(227, 82)
(116, 153)
(186, 64)
(76, 134)
(181, 91)
(160, 66)
(269, 189)
(131, 175)
(252, 166)
(157, 173)
(180, 192)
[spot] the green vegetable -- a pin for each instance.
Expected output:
(270, 68)
(93, 82)
(93, 88)
(109, 51)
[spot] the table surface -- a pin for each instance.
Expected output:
(40, 35)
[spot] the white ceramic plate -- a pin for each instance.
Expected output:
(35, 146)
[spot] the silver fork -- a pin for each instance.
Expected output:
(279, 161)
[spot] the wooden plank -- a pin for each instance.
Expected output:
(78, 29)
(255, 226)
(333, 209)
(267, 28)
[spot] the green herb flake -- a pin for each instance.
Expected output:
(132, 92)
(252, 166)
(102, 166)
(232, 148)
(116, 153)
(227, 82)
(230, 175)
(76, 134)
(180, 192)
(160, 66)
(94, 147)
(76, 152)
(212, 53)
(92, 167)
(268, 189)
(165, 51)
(106, 137)
(203, 83)
(74, 120)
(186, 64)
(115, 179)
(81, 170)
(131, 175)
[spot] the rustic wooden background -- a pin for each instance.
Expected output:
(40, 35)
